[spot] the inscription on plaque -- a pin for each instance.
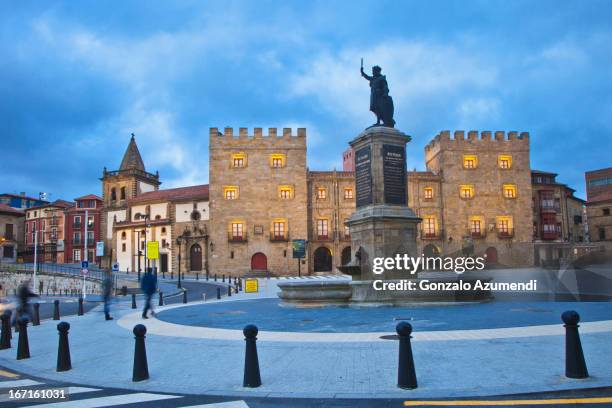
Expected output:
(363, 176)
(394, 173)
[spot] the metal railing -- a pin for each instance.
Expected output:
(237, 238)
(71, 270)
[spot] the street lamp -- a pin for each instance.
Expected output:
(179, 240)
(139, 254)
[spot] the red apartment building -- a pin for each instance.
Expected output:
(44, 224)
(599, 206)
(83, 220)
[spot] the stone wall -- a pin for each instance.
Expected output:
(445, 156)
(258, 202)
(52, 284)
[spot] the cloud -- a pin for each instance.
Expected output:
(478, 109)
(415, 71)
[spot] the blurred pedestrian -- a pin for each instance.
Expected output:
(107, 286)
(24, 309)
(148, 285)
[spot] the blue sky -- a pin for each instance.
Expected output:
(77, 77)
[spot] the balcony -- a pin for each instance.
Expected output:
(237, 239)
(77, 242)
(279, 238)
(548, 207)
(325, 237)
(477, 234)
(76, 225)
(430, 234)
(90, 226)
(551, 235)
(505, 233)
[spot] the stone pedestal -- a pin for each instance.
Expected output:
(382, 225)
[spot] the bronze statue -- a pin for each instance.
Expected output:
(380, 101)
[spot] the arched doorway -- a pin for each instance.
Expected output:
(431, 251)
(491, 255)
(259, 262)
(322, 260)
(195, 258)
(346, 255)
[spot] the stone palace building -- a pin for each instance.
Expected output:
(478, 196)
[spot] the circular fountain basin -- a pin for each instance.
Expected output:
(275, 315)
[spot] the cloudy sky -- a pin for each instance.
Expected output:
(77, 77)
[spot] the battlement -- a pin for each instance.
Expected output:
(473, 138)
(243, 133)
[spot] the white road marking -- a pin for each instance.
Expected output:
(69, 390)
(229, 404)
(18, 383)
(109, 401)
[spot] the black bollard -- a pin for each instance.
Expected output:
(5, 337)
(215, 277)
(56, 315)
(406, 375)
(63, 349)
(206, 275)
(133, 301)
(36, 318)
(141, 368)
(223, 278)
(161, 298)
(575, 366)
(229, 291)
(23, 348)
(80, 313)
(184, 296)
(10, 332)
(218, 292)
(251, 362)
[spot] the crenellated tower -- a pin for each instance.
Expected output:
(258, 200)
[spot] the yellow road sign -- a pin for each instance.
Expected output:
(153, 250)
(251, 286)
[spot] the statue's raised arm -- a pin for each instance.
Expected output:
(363, 74)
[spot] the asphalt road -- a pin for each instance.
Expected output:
(87, 395)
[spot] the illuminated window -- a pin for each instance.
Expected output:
(428, 193)
(470, 161)
(475, 226)
(429, 226)
(237, 231)
(509, 190)
(278, 160)
(321, 193)
(504, 161)
(466, 191)
(230, 192)
(348, 193)
(285, 192)
(239, 160)
(323, 228)
(279, 229)
(504, 226)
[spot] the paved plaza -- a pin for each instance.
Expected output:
(202, 360)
